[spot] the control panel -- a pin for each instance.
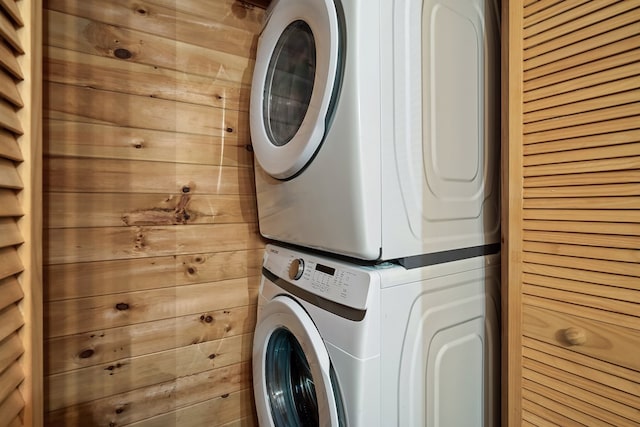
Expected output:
(334, 280)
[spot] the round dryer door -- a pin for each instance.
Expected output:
(293, 380)
(295, 83)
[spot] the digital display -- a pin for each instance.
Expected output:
(325, 269)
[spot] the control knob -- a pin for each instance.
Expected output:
(296, 268)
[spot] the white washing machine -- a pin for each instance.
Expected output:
(343, 345)
(375, 127)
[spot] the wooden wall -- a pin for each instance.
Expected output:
(152, 252)
(571, 292)
(20, 213)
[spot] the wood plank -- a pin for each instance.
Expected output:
(587, 130)
(111, 243)
(622, 74)
(10, 350)
(9, 204)
(589, 184)
(9, 34)
(106, 73)
(616, 230)
(552, 373)
(9, 119)
(111, 142)
(535, 419)
(10, 292)
(11, 263)
(94, 313)
(11, 407)
(251, 421)
(87, 384)
(10, 321)
(550, 46)
(146, 112)
(582, 118)
(598, 278)
(586, 21)
(101, 39)
(10, 379)
(109, 345)
(9, 62)
(569, 202)
(165, 21)
(628, 256)
(146, 402)
(8, 90)
(589, 265)
(533, 7)
(110, 277)
(16, 422)
(214, 412)
(577, 293)
(117, 209)
(10, 7)
(552, 16)
(595, 153)
(572, 407)
(613, 376)
(9, 177)
(136, 176)
(9, 233)
(585, 166)
(9, 148)
(584, 238)
(555, 412)
(621, 218)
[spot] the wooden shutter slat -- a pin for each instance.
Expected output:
(582, 101)
(626, 256)
(12, 406)
(9, 62)
(9, 119)
(9, 233)
(590, 129)
(593, 184)
(583, 118)
(9, 204)
(591, 20)
(569, 202)
(9, 91)
(619, 229)
(532, 7)
(577, 71)
(599, 279)
(556, 410)
(11, 263)
(9, 34)
(582, 46)
(10, 350)
(12, 10)
(546, 15)
(595, 153)
(583, 166)
(582, 143)
(10, 321)
(9, 177)
(10, 379)
(588, 264)
(566, 215)
(10, 292)
(9, 148)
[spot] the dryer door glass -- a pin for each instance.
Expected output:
(289, 83)
(292, 393)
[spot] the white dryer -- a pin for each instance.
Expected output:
(375, 126)
(343, 345)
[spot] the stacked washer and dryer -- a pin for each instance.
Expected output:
(376, 136)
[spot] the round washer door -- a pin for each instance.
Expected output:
(295, 81)
(293, 381)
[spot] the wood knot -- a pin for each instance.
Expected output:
(249, 148)
(85, 354)
(121, 306)
(229, 129)
(224, 396)
(199, 259)
(208, 319)
(191, 270)
(119, 410)
(141, 10)
(186, 189)
(212, 356)
(122, 53)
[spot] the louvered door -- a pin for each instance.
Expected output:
(571, 165)
(20, 207)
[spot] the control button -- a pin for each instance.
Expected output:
(296, 268)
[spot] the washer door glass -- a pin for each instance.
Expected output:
(292, 393)
(289, 83)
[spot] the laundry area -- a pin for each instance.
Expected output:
(282, 213)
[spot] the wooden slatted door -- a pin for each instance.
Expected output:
(572, 223)
(20, 224)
